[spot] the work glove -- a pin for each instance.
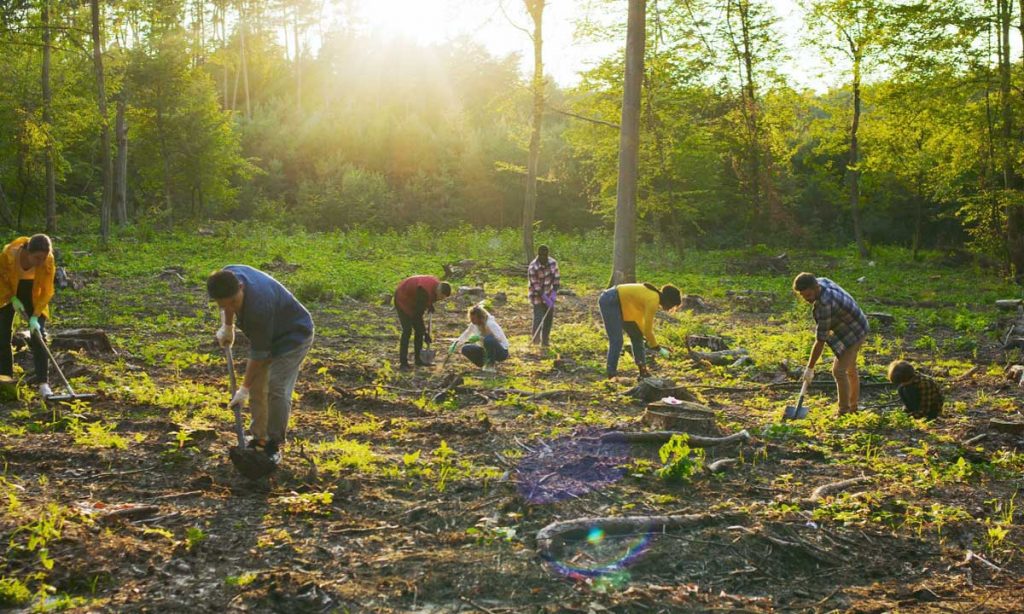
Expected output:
(33, 324)
(241, 398)
(18, 304)
(808, 375)
(451, 348)
(663, 352)
(473, 339)
(226, 336)
(549, 299)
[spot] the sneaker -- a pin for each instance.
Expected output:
(45, 391)
(273, 451)
(490, 368)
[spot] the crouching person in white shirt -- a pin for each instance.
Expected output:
(483, 342)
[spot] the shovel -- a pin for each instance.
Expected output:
(798, 412)
(250, 462)
(71, 395)
(427, 355)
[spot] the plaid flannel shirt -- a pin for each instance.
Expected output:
(543, 279)
(922, 397)
(840, 322)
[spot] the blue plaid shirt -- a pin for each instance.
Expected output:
(841, 323)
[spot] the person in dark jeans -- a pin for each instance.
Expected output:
(631, 308)
(544, 280)
(414, 297)
(484, 330)
(27, 270)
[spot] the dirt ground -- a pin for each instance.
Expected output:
(429, 535)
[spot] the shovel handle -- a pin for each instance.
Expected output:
(239, 427)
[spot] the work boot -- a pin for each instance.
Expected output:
(273, 451)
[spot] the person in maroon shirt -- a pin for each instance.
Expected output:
(414, 297)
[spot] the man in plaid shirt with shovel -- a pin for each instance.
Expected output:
(544, 280)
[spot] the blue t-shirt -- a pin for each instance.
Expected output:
(274, 321)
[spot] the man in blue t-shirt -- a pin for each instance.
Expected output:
(280, 332)
(841, 324)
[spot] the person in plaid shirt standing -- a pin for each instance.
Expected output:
(544, 280)
(841, 324)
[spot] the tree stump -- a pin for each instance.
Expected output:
(656, 388)
(90, 340)
(711, 342)
(686, 416)
(721, 358)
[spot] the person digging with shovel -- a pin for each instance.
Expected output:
(631, 308)
(26, 286)
(544, 280)
(843, 326)
(484, 330)
(280, 333)
(414, 297)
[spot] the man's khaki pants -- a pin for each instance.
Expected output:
(271, 394)
(844, 369)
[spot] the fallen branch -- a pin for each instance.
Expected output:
(830, 489)
(974, 557)
(660, 437)
(721, 464)
(975, 439)
(579, 528)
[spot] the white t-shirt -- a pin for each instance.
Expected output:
(492, 327)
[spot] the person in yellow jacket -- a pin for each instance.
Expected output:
(26, 286)
(631, 307)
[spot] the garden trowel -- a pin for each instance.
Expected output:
(797, 412)
(250, 462)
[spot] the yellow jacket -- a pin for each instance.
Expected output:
(639, 304)
(42, 286)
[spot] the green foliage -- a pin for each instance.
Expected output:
(680, 463)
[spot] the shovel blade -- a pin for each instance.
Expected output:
(70, 397)
(251, 463)
(798, 412)
(428, 356)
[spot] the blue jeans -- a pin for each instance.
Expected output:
(539, 311)
(271, 395)
(611, 313)
(490, 352)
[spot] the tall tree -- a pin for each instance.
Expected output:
(51, 182)
(624, 251)
(101, 98)
(854, 30)
(1011, 143)
(536, 10)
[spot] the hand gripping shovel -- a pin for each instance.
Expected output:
(250, 462)
(798, 412)
(428, 355)
(71, 395)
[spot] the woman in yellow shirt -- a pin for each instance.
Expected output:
(26, 286)
(631, 307)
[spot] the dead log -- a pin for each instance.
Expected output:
(885, 319)
(470, 292)
(1009, 304)
(90, 340)
(458, 270)
(711, 342)
(721, 464)
(1006, 426)
(832, 488)
(661, 437)
(721, 358)
(579, 528)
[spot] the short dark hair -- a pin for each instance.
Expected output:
(478, 311)
(40, 243)
(900, 372)
(444, 288)
(805, 281)
(669, 296)
(222, 284)
(543, 248)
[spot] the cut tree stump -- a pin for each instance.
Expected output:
(91, 340)
(653, 389)
(694, 303)
(1012, 427)
(686, 416)
(721, 359)
(661, 437)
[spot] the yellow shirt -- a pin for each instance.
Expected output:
(42, 284)
(639, 304)
(23, 273)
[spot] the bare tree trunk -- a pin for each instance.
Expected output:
(624, 256)
(51, 180)
(853, 168)
(245, 66)
(121, 165)
(1014, 206)
(5, 208)
(97, 57)
(752, 118)
(536, 10)
(298, 59)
